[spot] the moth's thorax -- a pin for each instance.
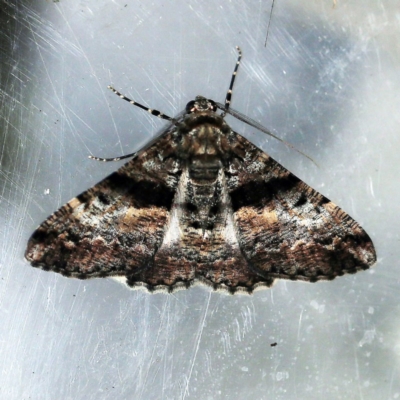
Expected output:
(205, 144)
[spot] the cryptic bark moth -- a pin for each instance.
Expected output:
(201, 204)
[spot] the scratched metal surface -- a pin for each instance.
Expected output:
(327, 81)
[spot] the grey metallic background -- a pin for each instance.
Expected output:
(327, 81)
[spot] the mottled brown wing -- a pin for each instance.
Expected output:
(117, 226)
(285, 228)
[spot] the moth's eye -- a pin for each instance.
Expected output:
(189, 106)
(212, 106)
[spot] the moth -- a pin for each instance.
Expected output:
(201, 204)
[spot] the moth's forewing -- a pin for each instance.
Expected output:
(115, 227)
(288, 230)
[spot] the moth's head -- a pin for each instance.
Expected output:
(200, 104)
